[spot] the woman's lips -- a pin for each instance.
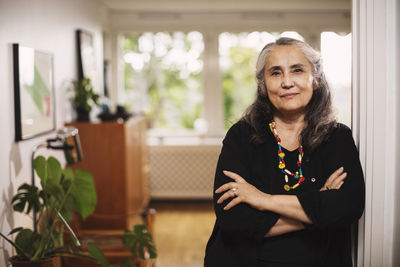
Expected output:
(291, 95)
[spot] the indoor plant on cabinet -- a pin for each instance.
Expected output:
(63, 193)
(84, 98)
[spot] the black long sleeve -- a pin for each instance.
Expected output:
(238, 236)
(242, 219)
(337, 208)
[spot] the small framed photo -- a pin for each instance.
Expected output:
(34, 104)
(86, 56)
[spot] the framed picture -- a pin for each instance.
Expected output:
(86, 56)
(34, 105)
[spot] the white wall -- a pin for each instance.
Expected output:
(47, 25)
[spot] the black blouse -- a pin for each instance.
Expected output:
(238, 235)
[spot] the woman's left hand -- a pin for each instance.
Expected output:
(241, 191)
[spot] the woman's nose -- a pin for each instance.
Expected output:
(287, 82)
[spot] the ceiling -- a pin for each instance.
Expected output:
(312, 16)
(228, 5)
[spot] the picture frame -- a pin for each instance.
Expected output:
(86, 56)
(34, 102)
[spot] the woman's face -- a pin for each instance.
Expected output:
(288, 79)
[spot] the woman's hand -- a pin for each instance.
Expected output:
(241, 191)
(336, 180)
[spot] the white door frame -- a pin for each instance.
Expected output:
(375, 126)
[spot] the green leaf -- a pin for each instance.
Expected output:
(68, 174)
(67, 178)
(55, 190)
(26, 241)
(98, 255)
(141, 251)
(68, 209)
(54, 170)
(139, 241)
(27, 195)
(20, 206)
(134, 248)
(15, 230)
(15, 246)
(84, 193)
(40, 167)
(127, 263)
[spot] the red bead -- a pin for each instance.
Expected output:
(278, 139)
(298, 163)
(301, 179)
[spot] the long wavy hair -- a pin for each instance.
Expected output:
(319, 117)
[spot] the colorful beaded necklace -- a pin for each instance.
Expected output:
(282, 166)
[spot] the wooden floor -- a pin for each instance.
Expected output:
(182, 229)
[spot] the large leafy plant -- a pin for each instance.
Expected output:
(63, 193)
(138, 241)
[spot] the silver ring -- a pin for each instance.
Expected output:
(234, 190)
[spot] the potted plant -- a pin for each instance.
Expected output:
(63, 193)
(84, 99)
(138, 241)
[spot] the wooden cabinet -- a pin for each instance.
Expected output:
(116, 154)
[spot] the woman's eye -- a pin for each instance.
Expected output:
(298, 70)
(275, 73)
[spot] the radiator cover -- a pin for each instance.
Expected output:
(182, 171)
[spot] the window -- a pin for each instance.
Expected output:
(162, 77)
(336, 56)
(238, 56)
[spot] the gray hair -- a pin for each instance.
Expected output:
(319, 112)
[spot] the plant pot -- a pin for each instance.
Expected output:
(83, 115)
(41, 263)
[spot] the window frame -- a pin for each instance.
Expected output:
(211, 85)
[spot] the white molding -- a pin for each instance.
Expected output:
(356, 110)
(374, 117)
(212, 87)
(390, 194)
(309, 21)
(223, 5)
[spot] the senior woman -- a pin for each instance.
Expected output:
(288, 183)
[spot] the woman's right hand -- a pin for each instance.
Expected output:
(335, 181)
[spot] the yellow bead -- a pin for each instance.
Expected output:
(286, 187)
(281, 155)
(286, 178)
(281, 165)
(296, 185)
